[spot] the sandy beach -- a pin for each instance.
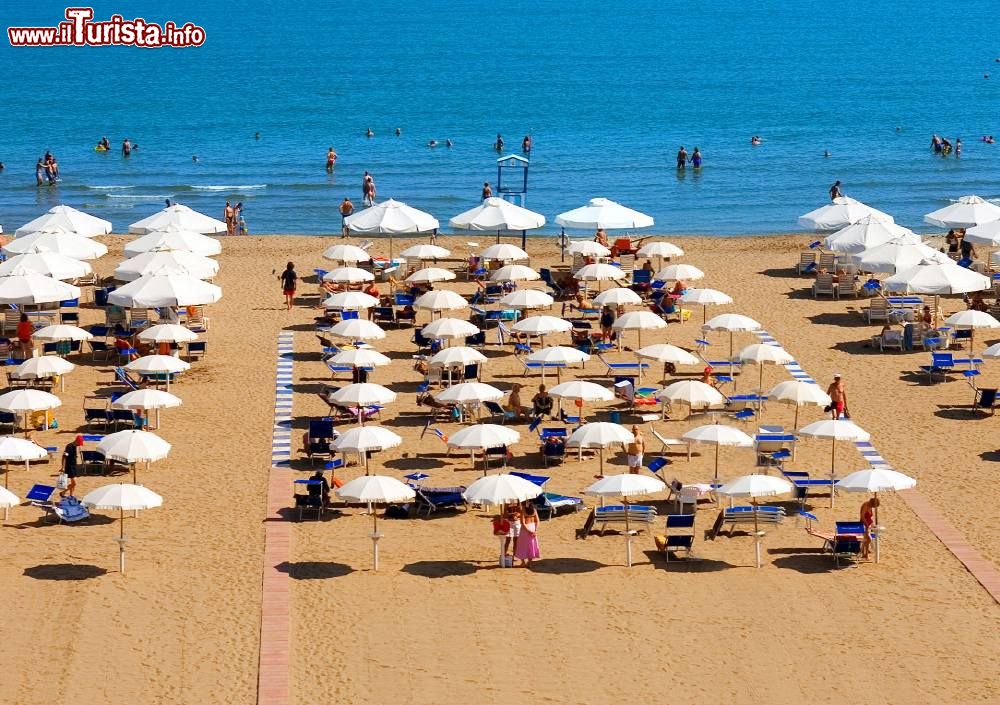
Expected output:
(439, 623)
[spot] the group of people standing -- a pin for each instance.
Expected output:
(683, 159)
(944, 147)
(47, 168)
(519, 524)
(235, 225)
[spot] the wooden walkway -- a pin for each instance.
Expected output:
(275, 617)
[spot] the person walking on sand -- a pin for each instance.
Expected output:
(635, 450)
(867, 516)
(526, 545)
(69, 467)
(289, 280)
(835, 191)
(838, 397)
(331, 159)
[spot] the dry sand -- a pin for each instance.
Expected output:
(438, 623)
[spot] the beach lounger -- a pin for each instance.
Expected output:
(986, 399)
(312, 499)
(638, 514)
(619, 367)
(807, 263)
(731, 517)
(679, 535)
(430, 500)
(550, 504)
(941, 364)
(497, 412)
(878, 310)
(825, 286)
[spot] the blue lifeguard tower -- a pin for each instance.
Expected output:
(512, 179)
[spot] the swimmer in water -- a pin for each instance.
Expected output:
(526, 144)
(498, 145)
(835, 191)
(256, 135)
(958, 146)
(331, 159)
(449, 143)
(432, 143)
(194, 157)
(398, 132)
(682, 157)
(826, 153)
(755, 141)
(126, 148)
(369, 133)
(696, 158)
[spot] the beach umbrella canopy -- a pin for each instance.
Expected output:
(718, 435)
(966, 212)
(360, 357)
(638, 321)
(8, 499)
(123, 497)
(167, 333)
(897, 254)
(600, 272)
(23, 286)
(761, 354)
(937, 279)
(165, 290)
(171, 238)
(349, 301)
(992, 352)
(870, 231)
(798, 393)
(20, 450)
(61, 331)
(971, 320)
(348, 275)
(660, 249)
(558, 354)
(391, 217)
(134, 447)
(469, 393)
(357, 329)
(158, 364)
(347, 254)
(667, 354)
(68, 219)
(169, 262)
(446, 328)
(459, 355)
(599, 434)
(625, 486)
(142, 399)
(376, 489)
(365, 438)
(496, 490)
(425, 251)
(23, 401)
(603, 213)
(835, 430)
(57, 242)
(754, 487)
(527, 299)
(732, 322)
(441, 300)
(43, 367)
(515, 273)
(691, 393)
(363, 394)
(504, 252)
(429, 275)
(497, 214)
(985, 234)
(541, 325)
(178, 217)
(679, 272)
(704, 298)
(582, 390)
(588, 248)
(875, 480)
(48, 264)
(483, 435)
(619, 296)
(839, 213)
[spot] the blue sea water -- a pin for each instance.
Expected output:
(608, 90)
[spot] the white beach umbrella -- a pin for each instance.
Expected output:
(679, 272)
(123, 497)
(605, 214)
(500, 215)
(898, 254)
(346, 254)
(376, 489)
(16, 450)
(363, 439)
(469, 393)
(618, 296)
(992, 352)
(663, 250)
(57, 242)
(870, 231)
(599, 435)
(761, 354)
(49, 264)
(798, 394)
(158, 365)
(391, 218)
(705, 298)
(541, 325)
(459, 355)
(60, 332)
(363, 394)
(835, 430)
(170, 262)
(691, 393)
(839, 213)
(625, 486)
(526, 299)
(165, 290)
(875, 480)
(500, 489)
(133, 447)
(178, 217)
(504, 252)
(970, 320)
(638, 321)
(167, 333)
(348, 275)
(425, 251)
(718, 435)
(429, 275)
(69, 219)
(755, 487)
(600, 272)
(172, 238)
(581, 391)
(966, 212)
(7, 500)
(557, 355)
(515, 273)
(588, 248)
(732, 323)
(667, 354)
(441, 300)
(985, 234)
(349, 301)
(145, 400)
(23, 286)
(360, 357)
(448, 328)
(937, 279)
(24, 401)
(44, 367)
(357, 329)
(481, 436)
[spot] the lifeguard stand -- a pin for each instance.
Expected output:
(512, 179)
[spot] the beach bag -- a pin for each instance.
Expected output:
(847, 414)
(62, 481)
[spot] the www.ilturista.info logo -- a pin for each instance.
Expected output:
(80, 30)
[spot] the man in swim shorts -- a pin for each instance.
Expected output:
(635, 449)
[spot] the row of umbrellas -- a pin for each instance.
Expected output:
(979, 216)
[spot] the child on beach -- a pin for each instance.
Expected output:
(289, 280)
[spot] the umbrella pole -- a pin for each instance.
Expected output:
(756, 533)
(375, 537)
(628, 536)
(704, 314)
(833, 461)
(878, 531)
(121, 540)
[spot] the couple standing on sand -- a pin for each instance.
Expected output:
(519, 523)
(235, 225)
